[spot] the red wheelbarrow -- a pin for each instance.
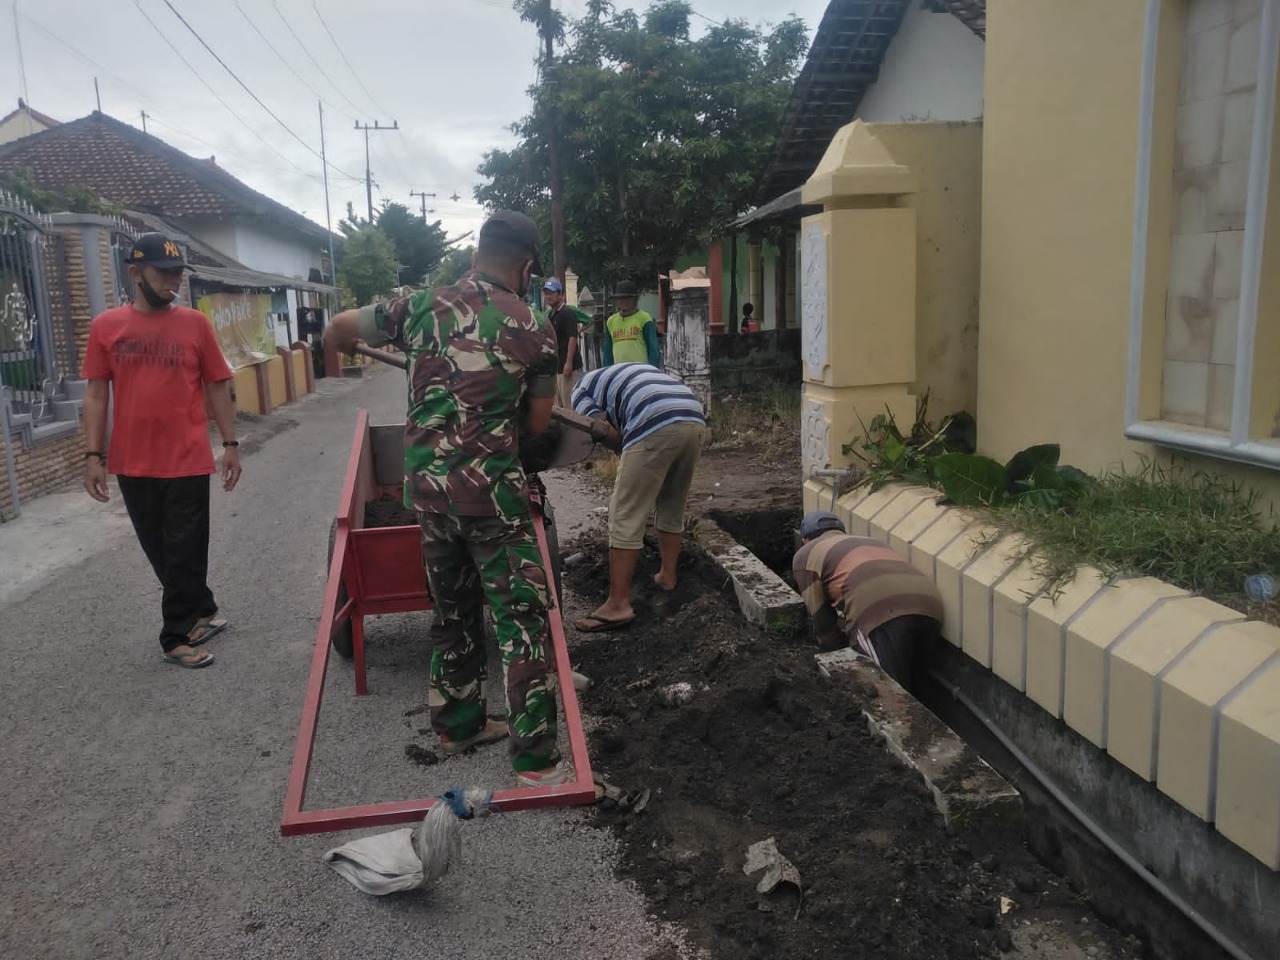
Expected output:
(376, 570)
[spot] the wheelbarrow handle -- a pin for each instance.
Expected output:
(568, 417)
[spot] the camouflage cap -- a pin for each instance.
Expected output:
(509, 228)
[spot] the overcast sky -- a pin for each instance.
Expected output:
(452, 73)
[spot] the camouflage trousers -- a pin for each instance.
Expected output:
(470, 560)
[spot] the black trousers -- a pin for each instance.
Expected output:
(900, 645)
(171, 518)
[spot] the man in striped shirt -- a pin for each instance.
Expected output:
(658, 424)
(862, 593)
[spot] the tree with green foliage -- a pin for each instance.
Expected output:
(419, 245)
(368, 267)
(662, 135)
(455, 263)
(74, 198)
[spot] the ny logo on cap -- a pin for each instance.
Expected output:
(138, 254)
(171, 249)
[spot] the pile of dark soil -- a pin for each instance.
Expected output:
(765, 747)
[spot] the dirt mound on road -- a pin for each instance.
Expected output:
(765, 747)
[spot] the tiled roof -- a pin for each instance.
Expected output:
(141, 172)
(972, 13)
(844, 61)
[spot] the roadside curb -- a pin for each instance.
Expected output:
(965, 788)
(763, 596)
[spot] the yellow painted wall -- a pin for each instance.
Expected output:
(946, 159)
(1058, 189)
(276, 382)
(247, 391)
(1059, 156)
(300, 360)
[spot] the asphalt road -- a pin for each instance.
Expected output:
(141, 802)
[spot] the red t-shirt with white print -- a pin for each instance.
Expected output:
(158, 364)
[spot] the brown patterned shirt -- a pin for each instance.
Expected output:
(865, 579)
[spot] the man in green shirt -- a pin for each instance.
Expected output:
(631, 336)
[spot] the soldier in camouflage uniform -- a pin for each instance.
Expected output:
(476, 349)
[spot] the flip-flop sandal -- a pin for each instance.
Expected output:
(205, 630)
(186, 661)
(595, 624)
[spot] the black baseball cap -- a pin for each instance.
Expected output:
(510, 228)
(626, 288)
(157, 250)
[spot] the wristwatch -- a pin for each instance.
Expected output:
(96, 453)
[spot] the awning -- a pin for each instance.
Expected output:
(785, 207)
(236, 277)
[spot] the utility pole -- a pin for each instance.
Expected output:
(368, 174)
(144, 121)
(96, 95)
(328, 221)
(419, 193)
(553, 142)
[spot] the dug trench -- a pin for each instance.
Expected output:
(753, 744)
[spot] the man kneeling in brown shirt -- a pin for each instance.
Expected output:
(861, 593)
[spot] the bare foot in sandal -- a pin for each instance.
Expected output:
(187, 658)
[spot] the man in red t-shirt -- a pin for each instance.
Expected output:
(159, 360)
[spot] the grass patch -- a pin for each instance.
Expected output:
(604, 467)
(1195, 530)
(770, 413)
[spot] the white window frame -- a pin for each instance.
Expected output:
(1236, 444)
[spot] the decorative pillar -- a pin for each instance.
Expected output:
(570, 287)
(857, 299)
(688, 347)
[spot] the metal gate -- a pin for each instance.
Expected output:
(34, 355)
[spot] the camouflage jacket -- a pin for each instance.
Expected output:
(474, 349)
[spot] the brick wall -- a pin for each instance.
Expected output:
(53, 464)
(47, 466)
(6, 497)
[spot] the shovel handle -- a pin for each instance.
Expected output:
(391, 359)
(569, 418)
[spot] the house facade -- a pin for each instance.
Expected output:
(58, 271)
(1118, 267)
(23, 122)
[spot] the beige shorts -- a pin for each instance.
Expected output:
(654, 477)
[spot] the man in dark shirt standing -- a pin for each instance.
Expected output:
(567, 321)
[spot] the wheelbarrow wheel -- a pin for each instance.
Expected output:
(342, 639)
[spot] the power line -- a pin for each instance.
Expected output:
(85, 57)
(270, 146)
(316, 7)
(281, 58)
(256, 98)
(312, 59)
(22, 63)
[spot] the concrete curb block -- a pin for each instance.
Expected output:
(966, 790)
(763, 596)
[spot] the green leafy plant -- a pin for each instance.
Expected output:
(891, 455)
(1031, 478)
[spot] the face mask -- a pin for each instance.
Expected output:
(154, 298)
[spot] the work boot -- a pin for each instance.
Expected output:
(491, 732)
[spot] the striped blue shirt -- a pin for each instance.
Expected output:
(637, 399)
